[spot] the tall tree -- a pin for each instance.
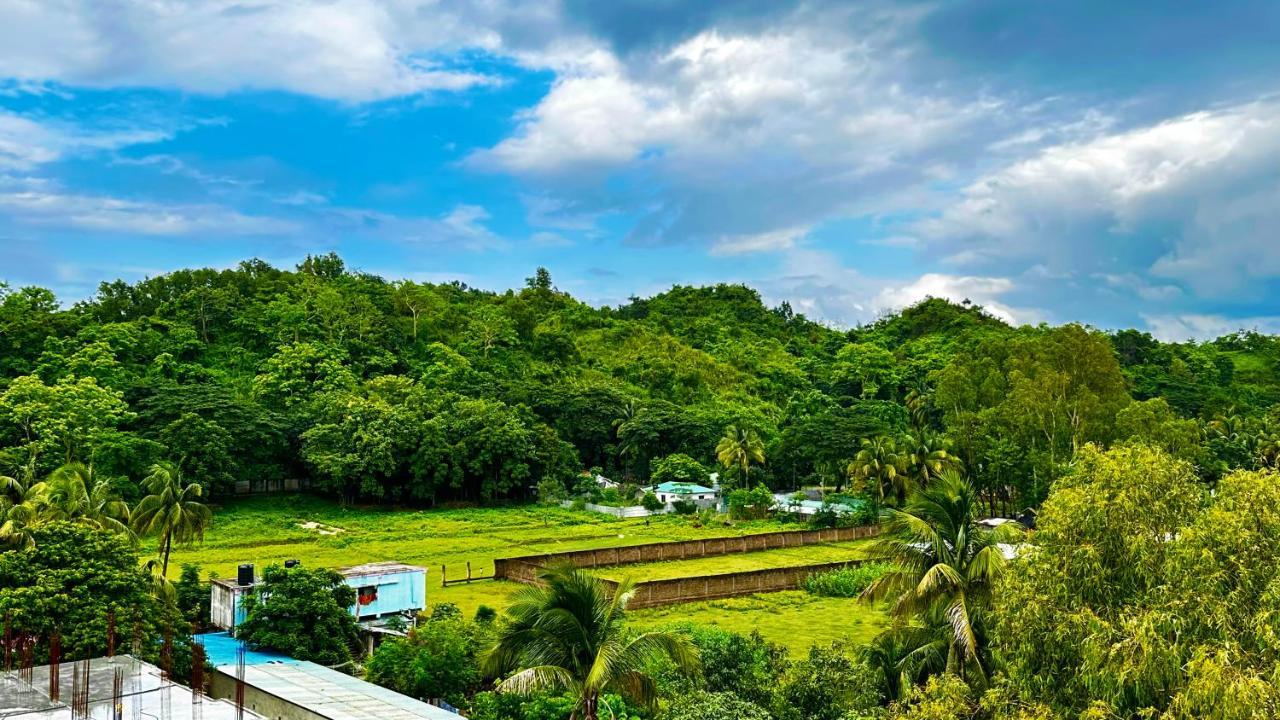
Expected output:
(568, 635)
(945, 564)
(72, 494)
(172, 510)
(738, 448)
(880, 463)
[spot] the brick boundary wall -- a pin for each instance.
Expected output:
(654, 593)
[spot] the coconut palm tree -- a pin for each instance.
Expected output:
(72, 494)
(739, 448)
(945, 565)
(568, 636)
(880, 462)
(172, 510)
(18, 513)
(924, 455)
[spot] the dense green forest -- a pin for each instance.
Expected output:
(1146, 590)
(421, 393)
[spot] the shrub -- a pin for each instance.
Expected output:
(651, 503)
(702, 705)
(684, 507)
(845, 582)
(751, 504)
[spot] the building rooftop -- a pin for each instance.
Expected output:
(321, 690)
(144, 693)
(380, 568)
(680, 488)
(334, 695)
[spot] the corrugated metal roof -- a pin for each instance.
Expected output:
(380, 568)
(334, 695)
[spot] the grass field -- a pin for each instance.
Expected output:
(273, 529)
(739, 562)
(793, 618)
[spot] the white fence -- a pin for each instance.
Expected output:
(633, 511)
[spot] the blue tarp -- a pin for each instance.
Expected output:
(220, 648)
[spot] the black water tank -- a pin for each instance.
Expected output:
(291, 563)
(244, 576)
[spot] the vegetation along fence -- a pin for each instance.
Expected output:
(702, 587)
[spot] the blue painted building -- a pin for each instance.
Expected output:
(387, 588)
(382, 589)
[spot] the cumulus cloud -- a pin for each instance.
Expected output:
(819, 285)
(350, 50)
(1193, 199)
(736, 139)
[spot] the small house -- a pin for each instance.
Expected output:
(387, 588)
(382, 589)
(670, 492)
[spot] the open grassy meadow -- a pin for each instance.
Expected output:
(265, 530)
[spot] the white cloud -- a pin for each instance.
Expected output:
(462, 227)
(1194, 198)
(758, 242)
(51, 207)
(350, 50)
(736, 139)
(817, 284)
(26, 144)
(984, 291)
(1192, 326)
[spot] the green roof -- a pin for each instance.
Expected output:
(680, 488)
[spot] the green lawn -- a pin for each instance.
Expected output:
(267, 530)
(739, 562)
(793, 618)
(273, 529)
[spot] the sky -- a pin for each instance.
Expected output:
(1116, 164)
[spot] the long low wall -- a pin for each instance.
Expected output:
(655, 593)
(702, 587)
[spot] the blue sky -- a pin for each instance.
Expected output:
(1112, 163)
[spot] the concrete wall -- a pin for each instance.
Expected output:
(656, 593)
(268, 706)
(226, 605)
(523, 569)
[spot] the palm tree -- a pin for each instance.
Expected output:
(568, 636)
(172, 510)
(18, 513)
(904, 655)
(739, 448)
(879, 462)
(925, 455)
(72, 494)
(945, 564)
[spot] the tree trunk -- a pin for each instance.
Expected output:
(168, 545)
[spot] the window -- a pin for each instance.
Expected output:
(367, 595)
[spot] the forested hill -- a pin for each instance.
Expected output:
(408, 392)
